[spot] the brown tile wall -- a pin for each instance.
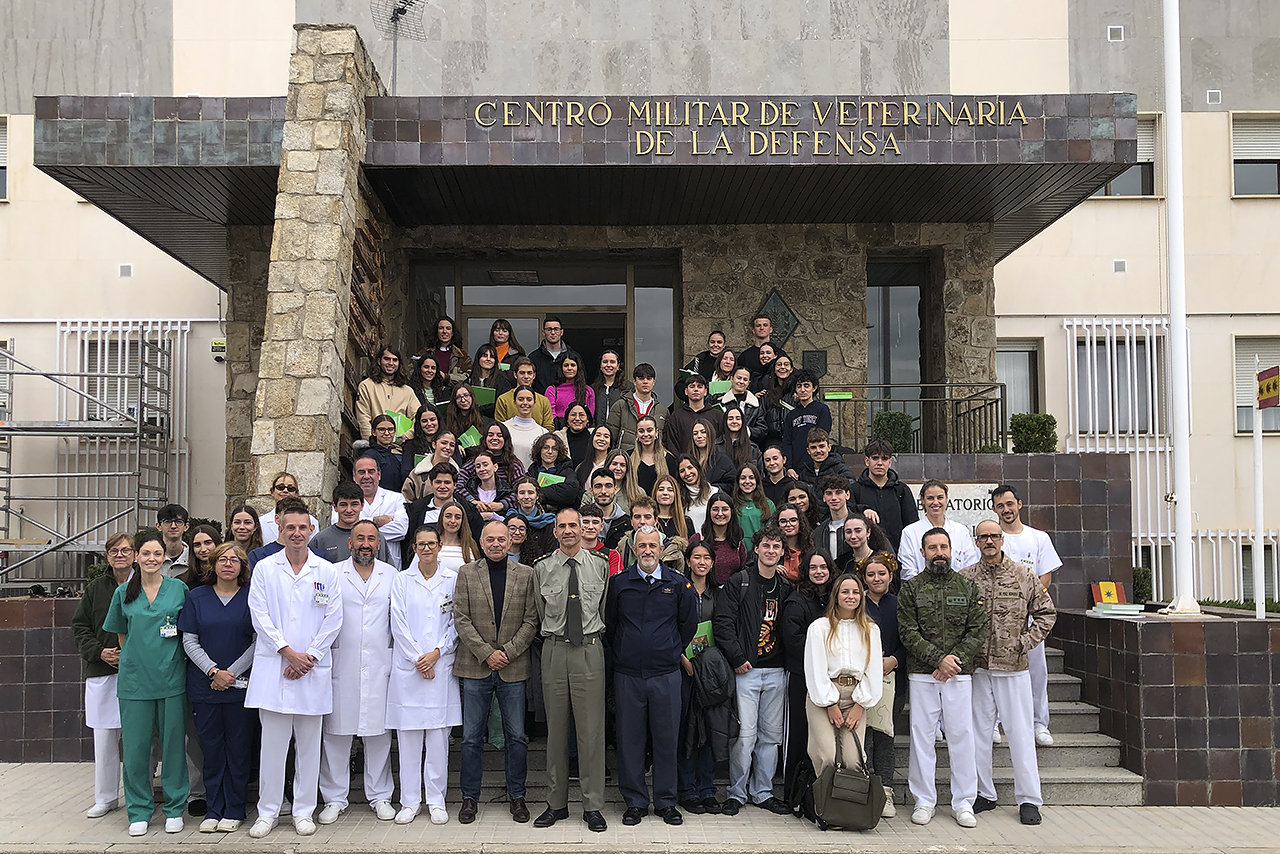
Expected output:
(1193, 703)
(42, 698)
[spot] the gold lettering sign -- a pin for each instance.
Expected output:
(845, 127)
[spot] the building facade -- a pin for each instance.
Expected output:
(303, 196)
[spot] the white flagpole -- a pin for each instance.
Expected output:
(1259, 549)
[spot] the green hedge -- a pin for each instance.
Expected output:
(1034, 433)
(895, 428)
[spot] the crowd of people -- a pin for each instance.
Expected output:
(695, 584)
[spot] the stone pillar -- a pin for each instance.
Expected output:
(248, 257)
(298, 403)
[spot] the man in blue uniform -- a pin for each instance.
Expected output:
(650, 617)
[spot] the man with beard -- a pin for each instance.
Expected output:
(361, 673)
(942, 622)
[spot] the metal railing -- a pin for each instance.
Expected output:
(946, 418)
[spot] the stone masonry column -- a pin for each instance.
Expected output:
(298, 403)
(249, 257)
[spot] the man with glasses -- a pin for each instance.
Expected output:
(1020, 615)
(1032, 548)
(496, 617)
(551, 348)
(381, 506)
(172, 523)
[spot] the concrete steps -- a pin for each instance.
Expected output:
(1069, 750)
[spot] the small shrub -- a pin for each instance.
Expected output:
(1142, 588)
(895, 428)
(1034, 433)
(194, 522)
(989, 449)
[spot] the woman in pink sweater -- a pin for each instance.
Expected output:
(570, 387)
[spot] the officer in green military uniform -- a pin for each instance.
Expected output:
(943, 623)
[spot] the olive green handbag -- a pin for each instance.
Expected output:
(852, 799)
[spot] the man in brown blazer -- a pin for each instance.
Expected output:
(496, 615)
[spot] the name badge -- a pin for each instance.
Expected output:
(957, 600)
(242, 682)
(321, 595)
(446, 606)
(168, 630)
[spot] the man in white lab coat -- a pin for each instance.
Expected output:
(361, 669)
(295, 601)
(381, 506)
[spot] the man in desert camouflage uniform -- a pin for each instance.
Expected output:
(1020, 614)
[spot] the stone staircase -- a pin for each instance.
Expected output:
(1081, 768)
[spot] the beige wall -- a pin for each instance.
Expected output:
(1009, 47)
(1233, 264)
(232, 47)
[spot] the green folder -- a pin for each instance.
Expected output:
(484, 396)
(548, 479)
(702, 639)
(417, 459)
(503, 366)
(404, 424)
(469, 439)
(719, 388)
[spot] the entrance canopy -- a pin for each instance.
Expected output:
(180, 170)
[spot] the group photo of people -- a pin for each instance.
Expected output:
(677, 593)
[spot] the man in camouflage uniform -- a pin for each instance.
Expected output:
(1021, 614)
(943, 623)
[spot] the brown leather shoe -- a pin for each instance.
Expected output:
(467, 814)
(519, 811)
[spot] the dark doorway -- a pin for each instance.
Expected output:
(592, 334)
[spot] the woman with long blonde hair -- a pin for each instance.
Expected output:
(843, 670)
(649, 459)
(668, 495)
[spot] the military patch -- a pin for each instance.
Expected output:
(1008, 594)
(957, 600)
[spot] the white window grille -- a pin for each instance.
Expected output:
(4, 157)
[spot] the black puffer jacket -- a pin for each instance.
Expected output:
(713, 706)
(798, 613)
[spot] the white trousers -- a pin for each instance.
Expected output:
(1007, 695)
(276, 732)
(930, 700)
(417, 767)
(1039, 668)
(335, 768)
(106, 765)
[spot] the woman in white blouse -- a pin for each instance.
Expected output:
(843, 666)
(423, 699)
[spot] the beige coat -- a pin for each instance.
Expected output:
(1020, 613)
(373, 399)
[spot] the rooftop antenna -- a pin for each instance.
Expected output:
(395, 18)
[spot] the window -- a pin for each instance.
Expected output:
(1255, 154)
(112, 386)
(4, 158)
(1268, 571)
(1268, 352)
(1115, 392)
(1140, 178)
(1018, 367)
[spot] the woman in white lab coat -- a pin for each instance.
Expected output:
(457, 546)
(423, 700)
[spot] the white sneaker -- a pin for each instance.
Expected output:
(889, 810)
(99, 810)
(383, 810)
(407, 814)
(921, 815)
(996, 738)
(209, 825)
(330, 813)
(439, 815)
(229, 825)
(173, 825)
(262, 827)
(137, 828)
(304, 826)
(1044, 738)
(966, 818)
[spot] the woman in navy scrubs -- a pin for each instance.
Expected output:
(217, 635)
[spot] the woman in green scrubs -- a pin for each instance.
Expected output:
(152, 685)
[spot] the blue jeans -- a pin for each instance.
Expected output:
(477, 696)
(697, 772)
(753, 756)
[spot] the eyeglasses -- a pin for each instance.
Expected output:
(228, 560)
(989, 537)
(431, 545)
(120, 552)
(285, 487)
(172, 522)
(549, 328)
(389, 428)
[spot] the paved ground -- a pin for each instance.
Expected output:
(42, 809)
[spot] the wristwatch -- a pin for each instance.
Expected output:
(214, 672)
